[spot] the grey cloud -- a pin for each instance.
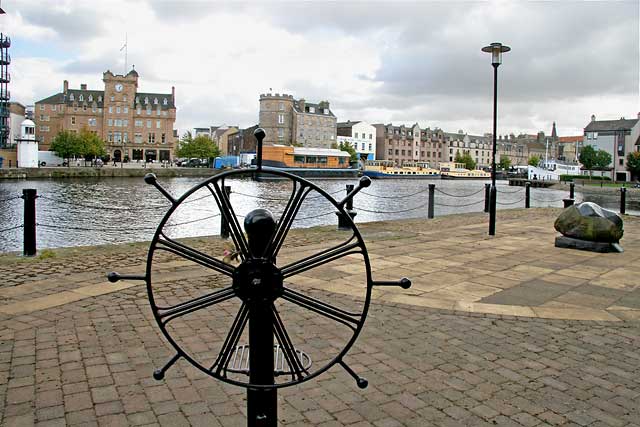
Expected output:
(79, 22)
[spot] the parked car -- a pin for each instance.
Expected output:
(197, 163)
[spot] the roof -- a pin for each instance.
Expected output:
(347, 124)
(578, 138)
(73, 96)
(605, 125)
(317, 108)
(309, 151)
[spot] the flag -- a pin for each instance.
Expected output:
(125, 45)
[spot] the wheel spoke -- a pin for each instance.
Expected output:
(287, 347)
(169, 313)
(231, 342)
(298, 196)
(226, 210)
(347, 318)
(348, 247)
(169, 245)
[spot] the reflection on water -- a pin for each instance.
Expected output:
(120, 210)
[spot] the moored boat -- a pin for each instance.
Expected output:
(451, 170)
(386, 169)
(307, 162)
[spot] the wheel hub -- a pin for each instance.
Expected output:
(257, 280)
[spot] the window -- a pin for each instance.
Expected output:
(138, 123)
(155, 101)
(370, 147)
(84, 107)
(118, 109)
(110, 110)
(110, 136)
(118, 123)
(151, 138)
(136, 154)
(281, 119)
(92, 121)
(621, 162)
(126, 110)
(93, 108)
(100, 98)
(165, 102)
(157, 124)
(73, 120)
(71, 97)
(41, 107)
(158, 111)
(148, 111)
(326, 111)
(138, 110)
(110, 122)
(280, 133)
(370, 136)
(390, 151)
(148, 124)
(146, 100)
(125, 137)
(113, 98)
(137, 138)
(43, 128)
(164, 138)
(117, 137)
(281, 106)
(81, 98)
(124, 98)
(53, 107)
(312, 109)
(125, 123)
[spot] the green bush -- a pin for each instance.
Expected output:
(565, 178)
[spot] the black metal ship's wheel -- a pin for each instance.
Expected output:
(262, 285)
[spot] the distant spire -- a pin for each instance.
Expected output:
(554, 134)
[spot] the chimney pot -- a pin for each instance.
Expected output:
(593, 117)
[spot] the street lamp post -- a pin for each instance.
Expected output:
(496, 50)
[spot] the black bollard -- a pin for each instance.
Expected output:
(487, 189)
(432, 192)
(623, 200)
(572, 188)
(224, 225)
(527, 195)
(29, 237)
(343, 224)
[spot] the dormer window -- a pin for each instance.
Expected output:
(71, 97)
(146, 100)
(164, 101)
(90, 98)
(81, 98)
(100, 98)
(155, 101)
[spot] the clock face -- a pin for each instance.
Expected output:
(118, 87)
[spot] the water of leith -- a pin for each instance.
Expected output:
(121, 210)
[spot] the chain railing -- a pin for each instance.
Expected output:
(430, 202)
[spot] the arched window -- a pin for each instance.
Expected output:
(164, 101)
(81, 98)
(90, 98)
(146, 100)
(71, 97)
(100, 98)
(155, 101)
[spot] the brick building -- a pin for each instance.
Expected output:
(288, 121)
(408, 144)
(135, 125)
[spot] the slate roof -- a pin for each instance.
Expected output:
(578, 138)
(608, 125)
(61, 98)
(317, 111)
(347, 124)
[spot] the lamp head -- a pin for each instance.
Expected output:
(496, 50)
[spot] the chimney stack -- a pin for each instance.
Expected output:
(301, 105)
(173, 94)
(83, 86)
(65, 86)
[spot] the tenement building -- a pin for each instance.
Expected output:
(134, 125)
(409, 144)
(478, 147)
(288, 121)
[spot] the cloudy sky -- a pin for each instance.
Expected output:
(400, 62)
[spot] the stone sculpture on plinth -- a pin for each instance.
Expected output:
(588, 226)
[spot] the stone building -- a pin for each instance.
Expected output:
(409, 144)
(361, 136)
(134, 125)
(288, 121)
(479, 147)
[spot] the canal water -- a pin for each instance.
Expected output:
(121, 210)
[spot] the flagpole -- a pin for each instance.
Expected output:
(125, 53)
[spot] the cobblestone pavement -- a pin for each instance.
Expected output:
(75, 350)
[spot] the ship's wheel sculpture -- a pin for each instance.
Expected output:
(264, 290)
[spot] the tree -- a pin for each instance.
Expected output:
(345, 146)
(534, 160)
(466, 158)
(633, 163)
(200, 147)
(90, 144)
(66, 144)
(588, 157)
(505, 162)
(603, 160)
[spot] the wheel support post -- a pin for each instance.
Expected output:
(262, 405)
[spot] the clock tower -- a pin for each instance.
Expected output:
(119, 96)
